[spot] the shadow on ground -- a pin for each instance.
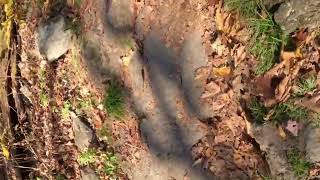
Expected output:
(163, 94)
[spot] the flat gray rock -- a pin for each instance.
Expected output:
(82, 133)
(54, 38)
(268, 138)
(298, 13)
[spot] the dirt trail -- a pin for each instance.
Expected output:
(159, 73)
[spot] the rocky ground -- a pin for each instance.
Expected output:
(154, 89)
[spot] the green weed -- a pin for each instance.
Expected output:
(75, 25)
(84, 104)
(87, 157)
(285, 111)
(306, 85)
(65, 111)
(299, 165)
(103, 133)
(60, 177)
(258, 111)
(114, 100)
(110, 164)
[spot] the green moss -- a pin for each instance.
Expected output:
(114, 100)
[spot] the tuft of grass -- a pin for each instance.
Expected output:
(87, 157)
(306, 85)
(65, 111)
(265, 42)
(247, 8)
(299, 165)
(114, 100)
(285, 111)
(266, 35)
(110, 163)
(258, 111)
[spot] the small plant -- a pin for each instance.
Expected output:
(258, 111)
(87, 157)
(285, 111)
(306, 85)
(104, 134)
(114, 100)
(110, 164)
(299, 165)
(84, 104)
(65, 111)
(60, 177)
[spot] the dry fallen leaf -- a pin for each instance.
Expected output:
(283, 89)
(219, 20)
(222, 71)
(293, 127)
(281, 132)
(5, 151)
(218, 46)
(263, 86)
(312, 103)
(287, 55)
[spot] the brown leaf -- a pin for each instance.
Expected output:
(263, 86)
(213, 2)
(202, 73)
(283, 89)
(219, 18)
(239, 54)
(301, 36)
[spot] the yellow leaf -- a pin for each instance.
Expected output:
(281, 132)
(222, 71)
(287, 55)
(298, 52)
(5, 151)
